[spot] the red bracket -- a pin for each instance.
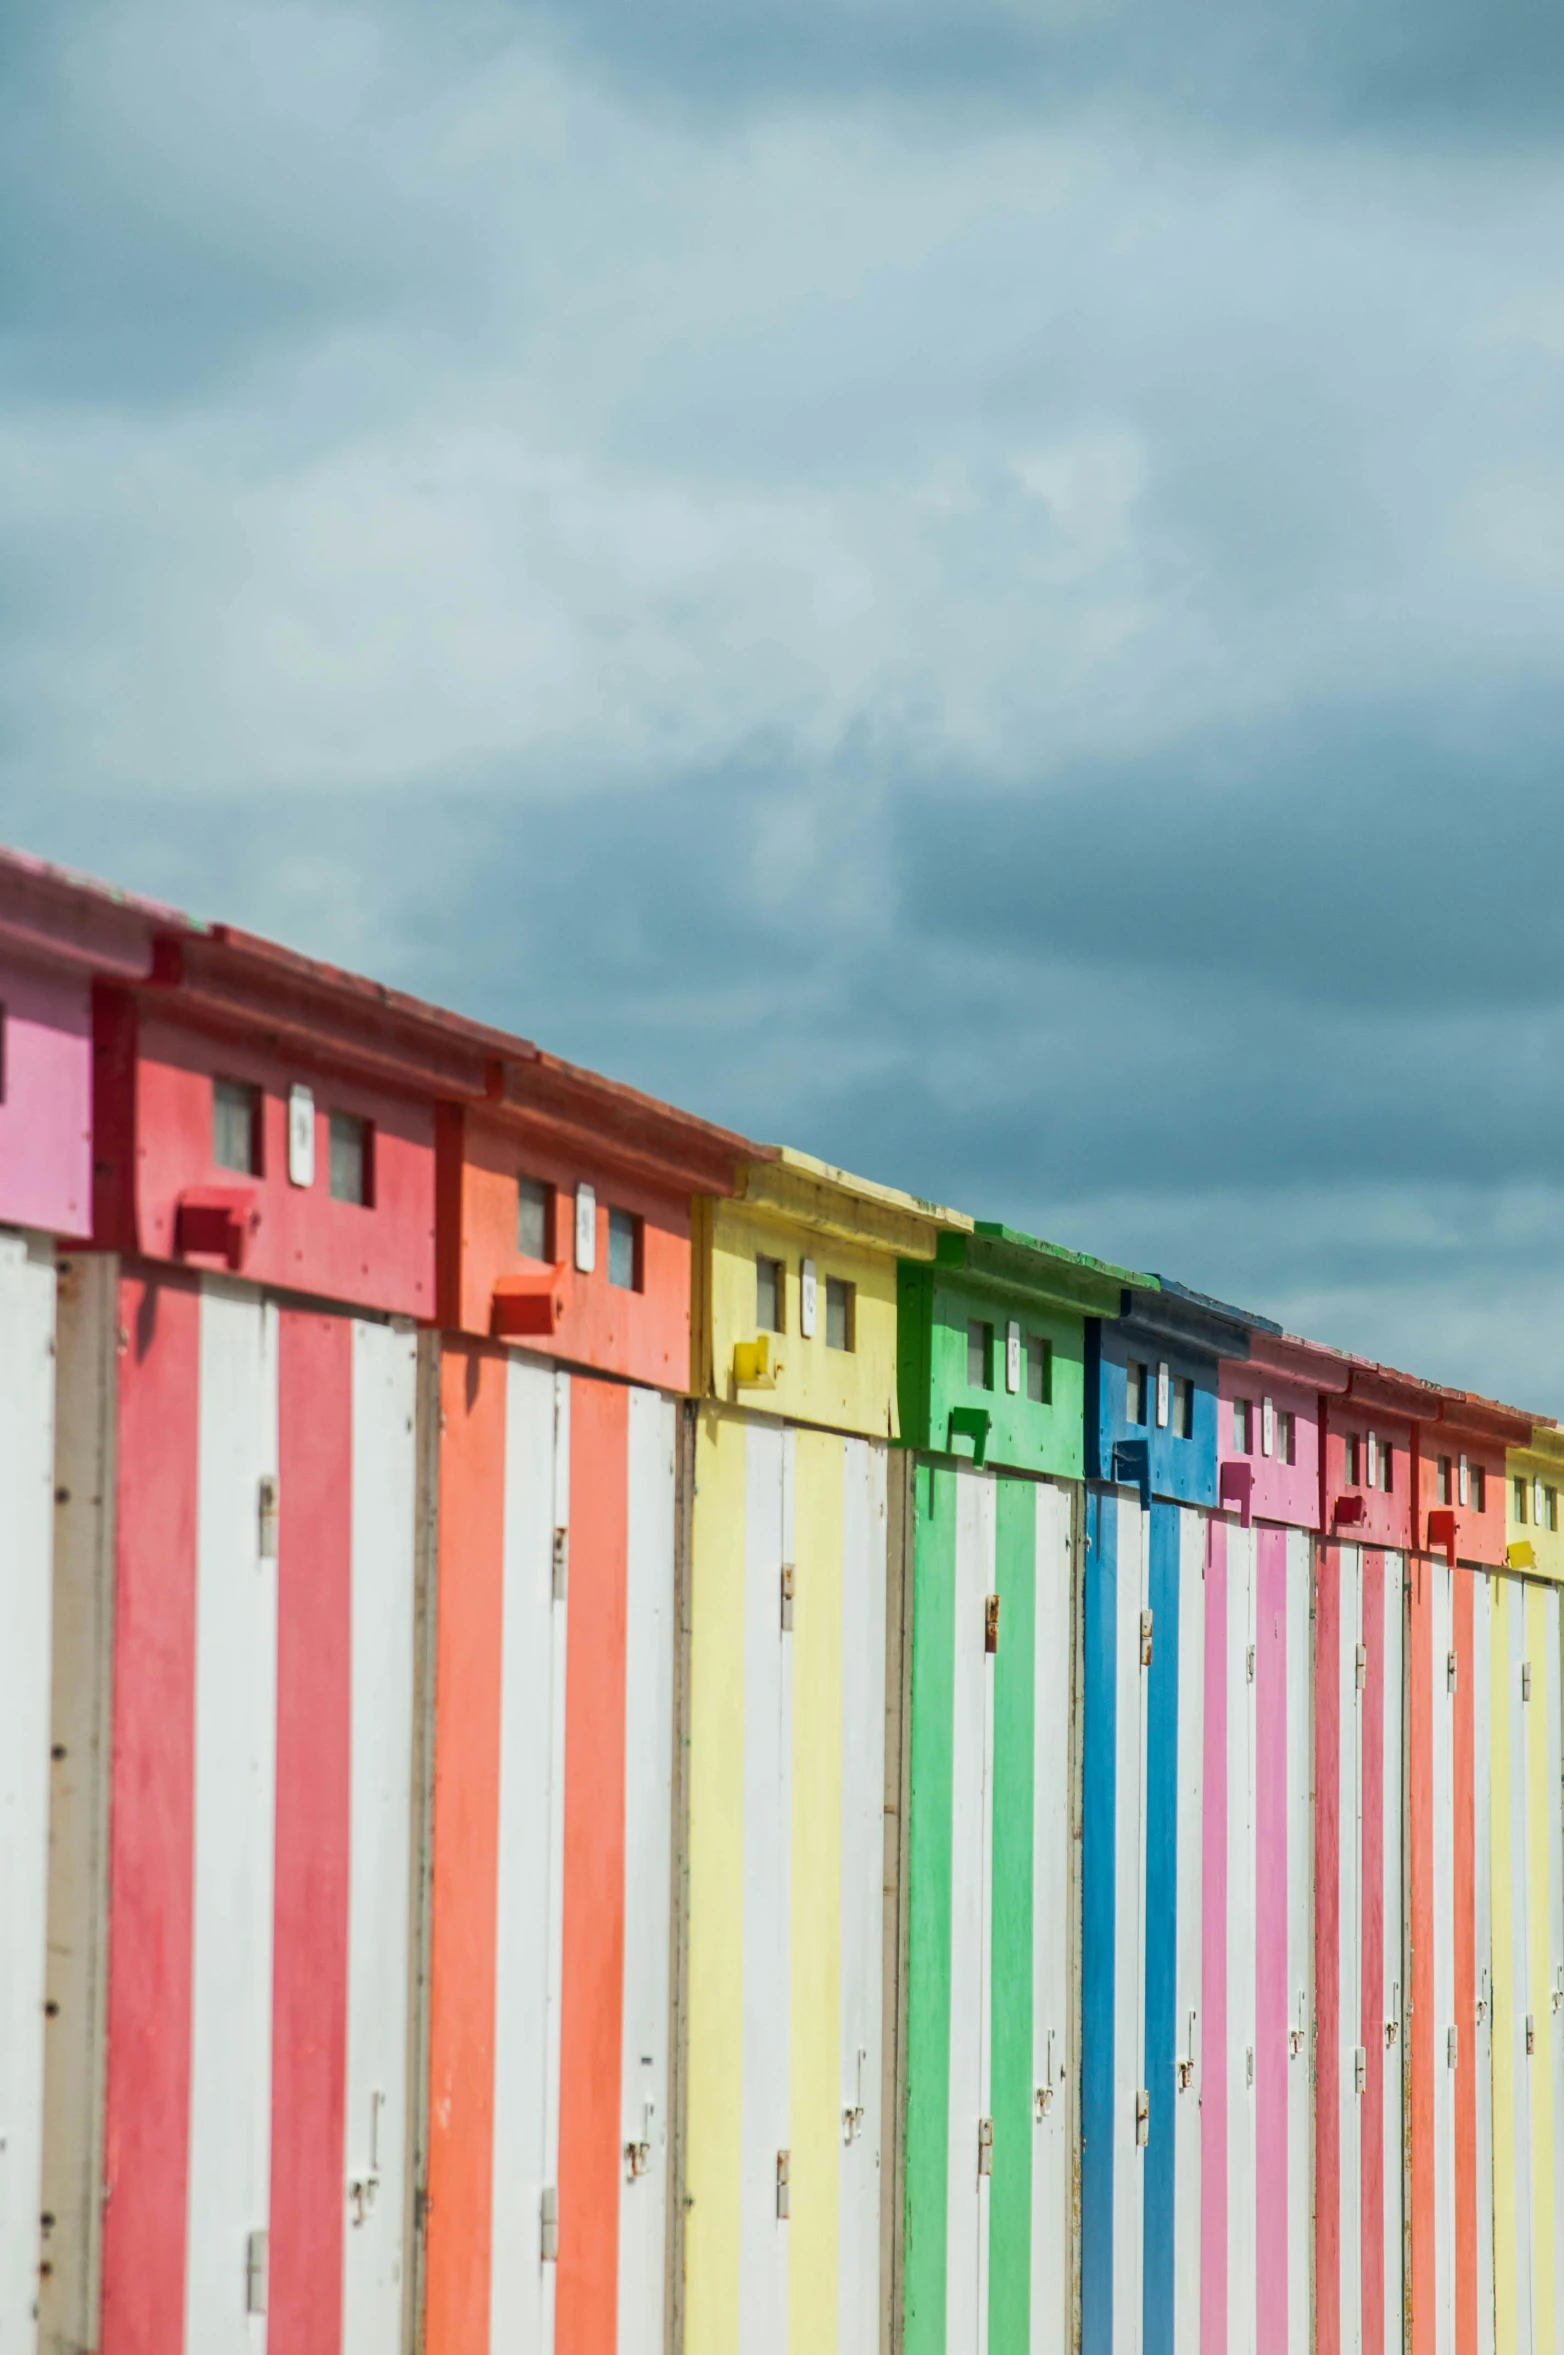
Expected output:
(528, 1307)
(216, 1222)
(1348, 1509)
(1441, 1533)
(1236, 1490)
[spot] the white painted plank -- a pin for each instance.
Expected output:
(235, 1811)
(1300, 1940)
(768, 1847)
(385, 1410)
(1189, 1962)
(1551, 2019)
(532, 1635)
(863, 1887)
(26, 1557)
(1520, 1915)
(1482, 1877)
(1393, 1993)
(649, 1652)
(1350, 1868)
(1240, 1944)
(971, 1766)
(1442, 1725)
(1053, 2062)
(1129, 1992)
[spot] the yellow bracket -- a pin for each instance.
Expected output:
(754, 1368)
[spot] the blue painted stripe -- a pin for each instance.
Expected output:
(1098, 1955)
(1161, 1918)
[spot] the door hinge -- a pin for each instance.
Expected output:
(1249, 1664)
(991, 1623)
(548, 2211)
(1145, 1639)
(266, 1517)
(255, 2273)
(789, 1581)
(363, 2189)
(561, 1563)
(1142, 2117)
(1249, 2064)
(1360, 2069)
(985, 2146)
(1362, 1667)
(784, 2185)
(1450, 1672)
(1452, 2047)
(1531, 2035)
(1525, 1680)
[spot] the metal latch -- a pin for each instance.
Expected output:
(1142, 2117)
(991, 1623)
(1525, 1680)
(1250, 1664)
(1558, 1992)
(1249, 2064)
(1362, 1666)
(255, 2273)
(561, 1563)
(788, 1583)
(1145, 1639)
(1184, 2070)
(1452, 2047)
(1450, 1672)
(266, 1517)
(852, 2111)
(363, 2188)
(1531, 2035)
(638, 2155)
(1360, 2070)
(985, 2146)
(784, 2180)
(1296, 2035)
(548, 2211)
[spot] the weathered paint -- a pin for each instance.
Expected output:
(987, 2252)
(27, 1324)
(786, 1890)
(259, 1885)
(549, 2066)
(1534, 1503)
(1359, 2007)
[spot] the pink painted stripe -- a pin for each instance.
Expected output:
(1327, 1949)
(314, 1787)
(1271, 2072)
(1371, 2110)
(1213, 1962)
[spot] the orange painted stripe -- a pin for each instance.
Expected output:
(592, 2001)
(1423, 2026)
(1465, 1902)
(466, 1848)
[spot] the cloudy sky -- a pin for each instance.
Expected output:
(974, 584)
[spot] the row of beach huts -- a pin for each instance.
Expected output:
(616, 1742)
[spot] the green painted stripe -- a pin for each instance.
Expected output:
(928, 1902)
(1010, 2068)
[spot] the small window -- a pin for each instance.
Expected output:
(624, 1250)
(1039, 1371)
(1351, 1453)
(1286, 1436)
(1183, 1406)
(770, 1294)
(1444, 1480)
(534, 1219)
(1551, 1500)
(980, 1356)
(1479, 1489)
(1135, 1392)
(1387, 1467)
(352, 1159)
(1519, 1489)
(840, 1306)
(1243, 1426)
(236, 1126)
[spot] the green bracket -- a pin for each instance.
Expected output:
(969, 1422)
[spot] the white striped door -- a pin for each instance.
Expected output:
(1392, 2021)
(1350, 1952)
(972, 1772)
(1482, 1890)
(1189, 1929)
(1053, 2139)
(1241, 2138)
(1300, 1941)
(768, 1848)
(27, 1288)
(531, 1833)
(862, 1888)
(1447, 2053)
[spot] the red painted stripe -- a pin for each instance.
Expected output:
(1213, 1975)
(1371, 2110)
(591, 2011)
(1465, 1900)
(314, 1793)
(152, 1822)
(1270, 1866)
(1328, 1866)
(466, 1848)
(1423, 2027)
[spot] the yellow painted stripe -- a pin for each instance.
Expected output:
(1507, 2321)
(1541, 1797)
(815, 2092)
(716, 1932)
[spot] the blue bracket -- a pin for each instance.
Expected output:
(969, 1422)
(1132, 1468)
